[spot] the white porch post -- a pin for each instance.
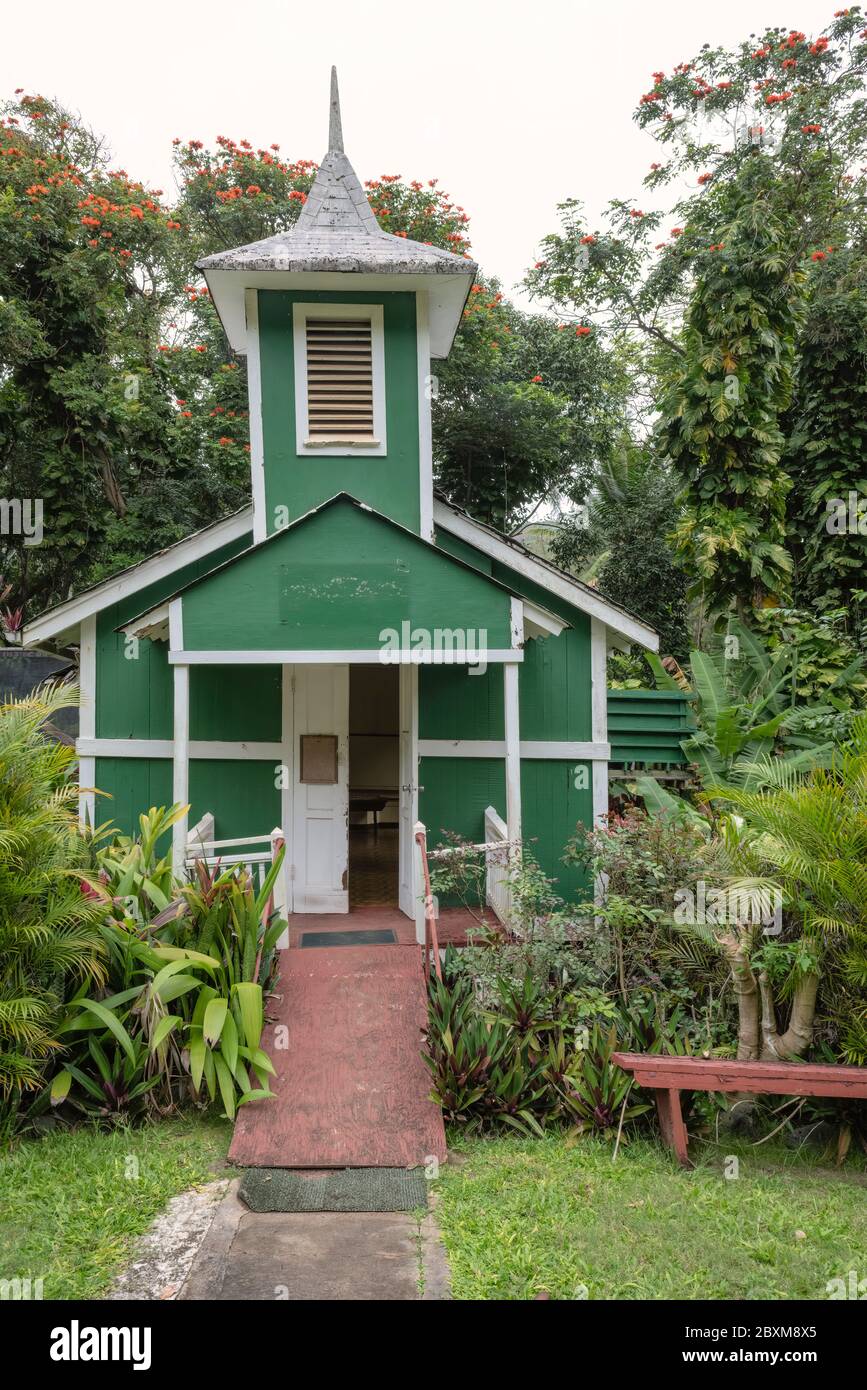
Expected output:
(181, 740)
(87, 718)
(511, 672)
(181, 766)
(512, 729)
(599, 714)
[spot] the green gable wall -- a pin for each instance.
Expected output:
(453, 545)
(335, 582)
(134, 695)
(299, 482)
(135, 700)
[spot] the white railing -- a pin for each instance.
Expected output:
(241, 852)
(498, 851)
(498, 894)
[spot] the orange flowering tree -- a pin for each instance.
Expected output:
(96, 349)
(761, 146)
(121, 404)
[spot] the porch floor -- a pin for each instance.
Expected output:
(452, 925)
(351, 1088)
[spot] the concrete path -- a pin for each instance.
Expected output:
(319, 1255)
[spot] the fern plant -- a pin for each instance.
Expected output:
(49, 922)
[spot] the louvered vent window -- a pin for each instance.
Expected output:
(339, 381)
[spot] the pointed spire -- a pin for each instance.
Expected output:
(335, 129)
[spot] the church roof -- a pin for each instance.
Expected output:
(337, 230)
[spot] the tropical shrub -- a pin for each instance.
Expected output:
(645, 863)
(812, 836)
(747, 700)
(182, 1010)
(540, 1056)
(554, 943)
(50, 938)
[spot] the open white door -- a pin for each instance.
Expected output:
(408, 896)
(320, 822)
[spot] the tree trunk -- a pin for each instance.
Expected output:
(737, 953)
(796, 1040)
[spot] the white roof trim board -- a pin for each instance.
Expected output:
(338, 234)
(66, 617)
(524, 562)
(529, 619)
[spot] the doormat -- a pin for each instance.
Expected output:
(371, 937)
(346, 1189)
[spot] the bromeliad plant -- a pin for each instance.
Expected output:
(187, 1009)
(543, 1058)
(594, 1089)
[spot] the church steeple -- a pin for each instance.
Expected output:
(337, 202)
(338, 234)
(339, 321)
(335, 129)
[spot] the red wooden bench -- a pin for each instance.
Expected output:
(668, 1076)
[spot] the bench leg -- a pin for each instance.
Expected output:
(671, 1124)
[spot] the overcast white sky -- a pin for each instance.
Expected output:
(512, 106)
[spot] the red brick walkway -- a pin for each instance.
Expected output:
(351, 1088)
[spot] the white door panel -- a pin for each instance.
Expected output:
(320, 812)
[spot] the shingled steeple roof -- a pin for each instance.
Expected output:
(337, 230)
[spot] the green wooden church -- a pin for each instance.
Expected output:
(349, 654)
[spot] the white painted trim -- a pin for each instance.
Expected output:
(541, 621)
(540, 573)
(599, 712)
(300, 315)
(87, 718)
(448, 294)
(533, 749)
(511, 709)
(516, 624)
(254, 399)
(181, 766)
(214, 750)
(176, 625)
(67, 616)
(425, 435)
(366, 656)
(164, 747)
(409, 888)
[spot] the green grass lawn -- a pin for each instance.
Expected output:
(521, 1216)
(72, 1204)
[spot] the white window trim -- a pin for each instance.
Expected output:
(300, 315)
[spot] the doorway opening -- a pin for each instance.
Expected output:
(374, 780)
